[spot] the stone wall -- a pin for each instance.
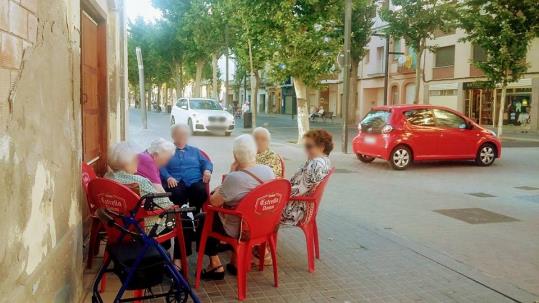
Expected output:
(40, 151)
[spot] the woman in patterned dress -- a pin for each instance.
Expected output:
(265, 155)
(318, 145)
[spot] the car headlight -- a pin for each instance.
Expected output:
(492, 132)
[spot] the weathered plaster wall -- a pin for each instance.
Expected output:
(40, 148)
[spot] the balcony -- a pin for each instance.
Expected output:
(404, 69)
(475, 71)
(444, 72)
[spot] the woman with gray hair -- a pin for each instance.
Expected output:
(151, 160)
(264, 154)
(123, 162)
(244, 177)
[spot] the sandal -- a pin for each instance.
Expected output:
(231, 268)
(212, 274)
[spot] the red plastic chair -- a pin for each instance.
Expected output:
(205, 155)
(260, 211)
(118, 198)
(88, 174)
(309, 225)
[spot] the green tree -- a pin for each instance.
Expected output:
(416, 21)
(308, 37)
(504, 29)
(362, 20)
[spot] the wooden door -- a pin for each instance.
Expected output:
(93, 105)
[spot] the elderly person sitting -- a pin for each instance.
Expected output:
(187, 172)
(318, 145)
(246, 175)
(123, 163)
(155, 157)
(264, 154)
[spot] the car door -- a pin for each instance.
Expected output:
(423, 135)
(458, 138)
(182, 111)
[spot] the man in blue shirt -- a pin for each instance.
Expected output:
(188, 172)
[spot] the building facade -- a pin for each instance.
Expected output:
(62, 101)
(449, 78)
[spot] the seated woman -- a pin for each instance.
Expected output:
(264, 154)
(123, 162)
(244, 177)
(152, 159)
(318, 145)
(187, 172)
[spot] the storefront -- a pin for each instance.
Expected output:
(482, 102)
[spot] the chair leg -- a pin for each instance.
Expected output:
(273, 251)
(181, 243)
(242, 270)
(261, 256)
(104, 279)
(316, 240)
(93, 245)
(308, 231)
(202, 247)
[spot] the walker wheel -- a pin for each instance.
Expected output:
(176, 296)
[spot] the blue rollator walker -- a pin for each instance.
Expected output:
(138, 259)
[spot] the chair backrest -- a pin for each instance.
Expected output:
(88, 174)
(262, 207)
(282, 168)
(318, 192)
(115, 197)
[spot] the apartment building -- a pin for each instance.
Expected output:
(449, 78)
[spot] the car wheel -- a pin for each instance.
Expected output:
(172, 120)
(364, 158)
(228, 134)
(400, 158)
(486, 155)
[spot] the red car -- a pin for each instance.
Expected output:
(402, 134)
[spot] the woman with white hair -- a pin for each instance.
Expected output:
(246, 175)
(155, 157)
(123, 162)
(264, 154)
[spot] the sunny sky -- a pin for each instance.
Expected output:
(144, 8)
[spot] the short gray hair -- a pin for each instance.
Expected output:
(179, 126)
(120, 154)
(244, 149)
(160, 145)
(262, 130)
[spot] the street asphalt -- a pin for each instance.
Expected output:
(437, 232)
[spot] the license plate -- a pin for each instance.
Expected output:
(370, 140)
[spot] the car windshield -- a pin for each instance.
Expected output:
(205, 104)
(375, 121)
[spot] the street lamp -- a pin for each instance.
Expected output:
(386, 62)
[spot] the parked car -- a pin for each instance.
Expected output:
(202, 115)
(402, 134)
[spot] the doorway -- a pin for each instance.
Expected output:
(93, 92)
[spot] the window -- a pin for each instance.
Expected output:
(396, 48)
(420, 117)
(182, 103)
(443, 92)
(447, 119)
(374, 121)
(205, 104)
(380, 58)
(445, 56)
(479, 54)
(366, 59)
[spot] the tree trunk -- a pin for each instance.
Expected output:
(198, 78)
(302, 108)
(166, 98)
(255, 84)
(179, 84)
(353, 107)
(159, 97)
(502, 105)
(419, 54)
(214, 81)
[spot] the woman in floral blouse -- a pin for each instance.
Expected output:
(318, 145)
(265, 155)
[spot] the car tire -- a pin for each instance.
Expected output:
(486, 154)
(400, 158)
(190, 125)
(227, 134)
(365, 158)
(172, 120)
